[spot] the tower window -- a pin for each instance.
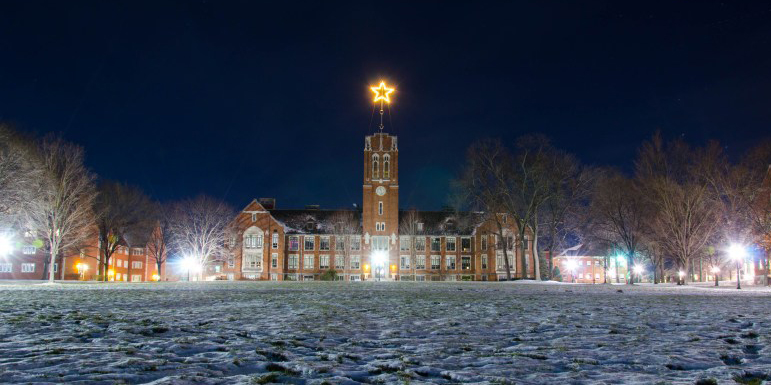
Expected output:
(386, 166)
(375, 166)
(380, 208)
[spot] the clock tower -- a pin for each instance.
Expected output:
(380, 203)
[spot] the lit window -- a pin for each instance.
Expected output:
(339, 262)
(386, 166)
(274, 240)
(27, 267)
(254, 217)
(420, 262)
(136, 265)
(380, 243)
(274, 260)
(308, 261)
(355, 262)
(420, 226)
(339, 242)
(465, 262)
(375, 165)
(6, 267)
(465, 244)
(324, 261)
(404, 262)
(404, 243)
(28, 250)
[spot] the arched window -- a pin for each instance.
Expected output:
(375, 165)
(386, 166)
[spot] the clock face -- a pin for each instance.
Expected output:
(380, 190)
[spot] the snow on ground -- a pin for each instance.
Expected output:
(314, 332)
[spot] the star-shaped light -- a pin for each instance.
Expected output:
(382, 92)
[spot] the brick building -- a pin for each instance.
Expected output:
(582, 264)
(369, 243)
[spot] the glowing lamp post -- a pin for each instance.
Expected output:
(191, 265)
(715, 272)
(737, 253)
(680, 275)
(82, 268)
(639, 270)
(572, 266)
(6, 247)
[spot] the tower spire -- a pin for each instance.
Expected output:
(382, 93)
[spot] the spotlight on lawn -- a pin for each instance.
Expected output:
(737, 252)
(191, 265)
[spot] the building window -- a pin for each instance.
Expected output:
(308, 261)
(250, 260)
(355, 262)
(27, 267)
(465, 245)
(380, 243)
(339, 262)
(484, 262)
(420, 244)
(465, 262)
(274, 260)
(324, 243)
(509, 243)
(339, 242)
(253, 241)
(500, 263)
(28, 250)
(420, 226)
(435, 262)
(274, 240)
(310, 242)
(404, 262)
(386, 166)
(505, 219)
(231, 262)
(379, 208)
(484, 242)
(136, 265)
(435, 244)
(137, 251)
(450, 261)
(355, 243)
(6, 267)
(526, 243)
(420, 262)
(254, 217)
(294, 243)
(294, 260)
(324, 261)
(56, 267)
(450, 243)
(404, 243)
(375, 165)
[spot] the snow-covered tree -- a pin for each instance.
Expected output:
(20, 175)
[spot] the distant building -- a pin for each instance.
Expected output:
(305, 244)
(763, 205)
(582, 264)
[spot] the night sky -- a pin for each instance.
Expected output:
(240, 100)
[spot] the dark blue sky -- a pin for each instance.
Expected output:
(240, 99)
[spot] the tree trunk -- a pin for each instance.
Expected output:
(54, 251)
(536, 257)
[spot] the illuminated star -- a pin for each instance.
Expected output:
(382, 92)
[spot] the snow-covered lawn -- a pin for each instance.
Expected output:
(245, 332)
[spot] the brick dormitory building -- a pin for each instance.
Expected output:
(367, 244)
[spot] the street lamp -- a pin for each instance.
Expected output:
(82, 269)
(572, 266)
(715, 272)
(190, 264)
(638, 269)
(681, 275)
(378, 262)
(737, 253)
(6, 247)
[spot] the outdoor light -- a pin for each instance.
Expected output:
(393, 268)
(191, 265)
(382, 92)
(156, 277)
(638, 269)
(737, 252)
(681, 274)
(572, 265)
(379, 258)
(5, 245)
(715, 269)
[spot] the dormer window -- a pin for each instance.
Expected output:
(254, 217)
(420, 226)
(386, 166)
(375, 165)
(310, 226)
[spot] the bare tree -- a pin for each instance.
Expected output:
(63, 212)
(685, 215)
(124, 216)
(483, 183)
(20, 173)
(618, 215)
(160, 237)
(198, 228)
(345, 225)
(409, 228)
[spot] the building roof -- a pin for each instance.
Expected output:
(582, 250)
